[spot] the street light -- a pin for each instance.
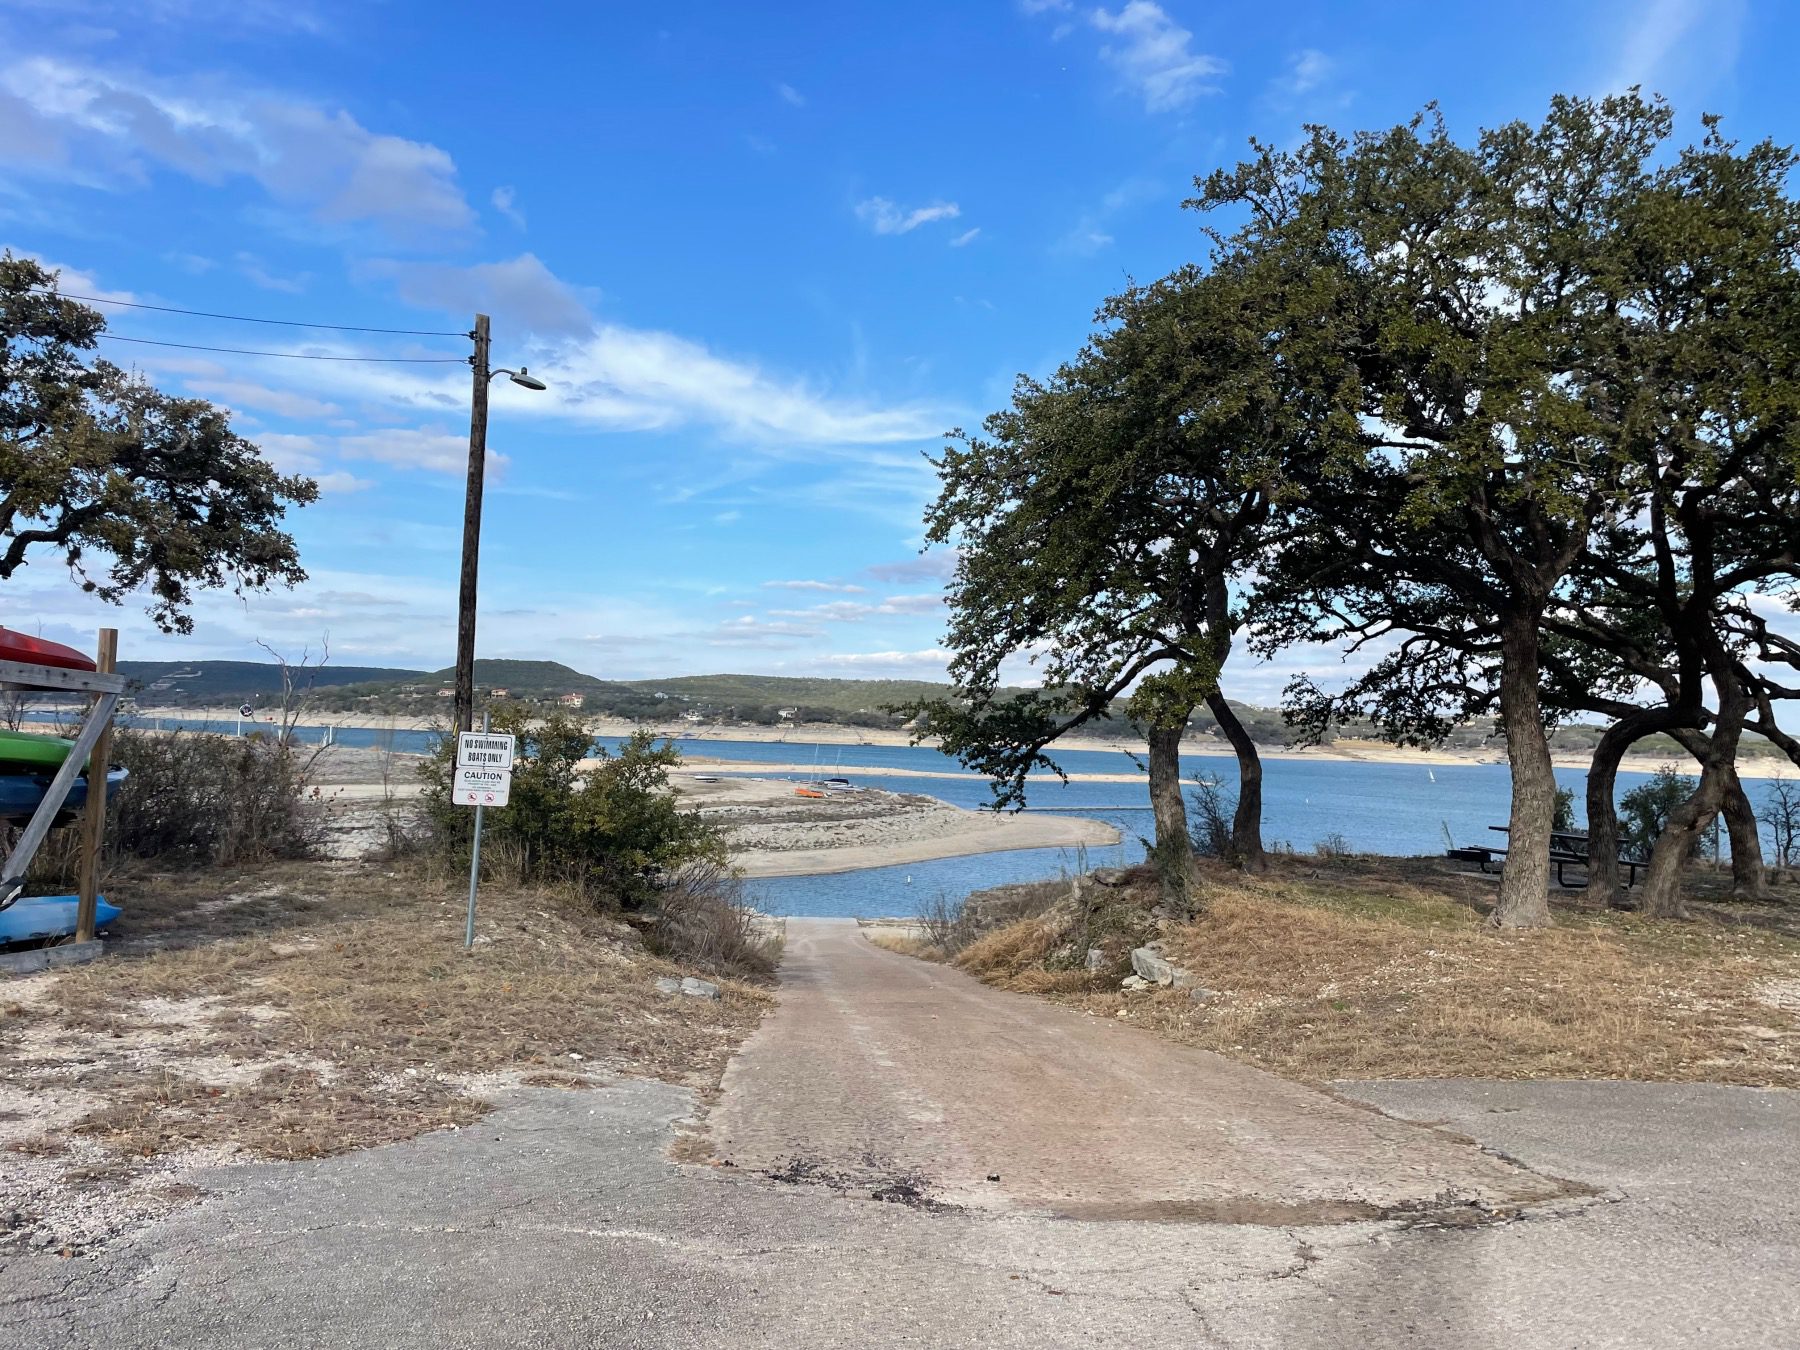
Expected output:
(471, 552)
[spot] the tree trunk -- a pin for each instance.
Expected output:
(1525, 880)
(1602, 802)
(1661, 897)
(1173, 853)
(1246, 823)
(1749, 878)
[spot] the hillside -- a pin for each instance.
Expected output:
(212, 683)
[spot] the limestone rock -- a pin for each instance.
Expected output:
(699, 988)
(666, 984)
(1096, 959)
(1151, 967)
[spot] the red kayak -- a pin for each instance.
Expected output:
(37, 652)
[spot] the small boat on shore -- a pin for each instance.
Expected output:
(808, 792)
(37, 917)
(30, 752)
(20, 794)
(15, 646)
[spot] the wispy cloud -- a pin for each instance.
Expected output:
(839, 587)
(505, 201)
(95, 125)
(790, 95)
(966, 237)
(1306, 71)
(1669, 35)
(1154, 56)
(885, 217)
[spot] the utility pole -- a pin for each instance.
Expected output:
(471, 549)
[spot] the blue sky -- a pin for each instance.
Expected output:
(764, 256)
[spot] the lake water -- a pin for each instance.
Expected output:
(1377, 808)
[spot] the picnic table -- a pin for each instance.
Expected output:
(1567, 848)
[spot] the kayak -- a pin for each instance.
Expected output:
(20, 794)
(46, 916)
(39, 652)
(24, 750)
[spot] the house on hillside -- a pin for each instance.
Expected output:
(496, 693)
(442, 693)
(785, 714)
(565, 700)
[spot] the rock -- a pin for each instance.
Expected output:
(1151, 967)
(667, 985)
(699, 988)
(43, 1238)
(1096, 959)
(1135, 983)
(1157, 969)
(1199, 993)
(1108, 876)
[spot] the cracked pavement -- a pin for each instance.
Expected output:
(560, 1220)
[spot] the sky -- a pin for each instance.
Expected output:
(764, 257)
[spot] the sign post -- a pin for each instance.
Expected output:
(483, 778)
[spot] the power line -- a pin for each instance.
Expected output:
(292, 356)
(246, 318)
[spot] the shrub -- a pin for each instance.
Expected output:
(202, 799)
(1644, 812)
(613, 832)
(702, 920)
(1333, 845)
(1210, 811)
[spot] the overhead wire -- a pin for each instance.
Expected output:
(290, 356)
(248, 318)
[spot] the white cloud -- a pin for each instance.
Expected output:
(433, 449)
(884, 217)
(505, 202)
(521, 293)
(936, 566)
(929, 663)
(966, 237)
(1672, 38)
(241, 394)
(790, 95)
(840, 587)
(1306, 71)
(1045, 6)
(99, 125)
(1154, 57)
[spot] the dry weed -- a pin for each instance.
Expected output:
(1351, 977)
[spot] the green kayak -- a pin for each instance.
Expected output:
(20, 749)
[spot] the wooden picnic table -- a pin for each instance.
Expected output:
(1568, 848)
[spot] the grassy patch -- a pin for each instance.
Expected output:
(1350, 973)
(296, 1011)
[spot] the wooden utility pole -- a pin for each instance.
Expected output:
(93, 816)
(471, 549)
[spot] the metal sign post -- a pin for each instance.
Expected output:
(483, 778)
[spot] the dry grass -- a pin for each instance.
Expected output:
(299, 1011)
(921, 948)
(1345, 973)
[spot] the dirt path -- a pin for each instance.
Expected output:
(880, 1071)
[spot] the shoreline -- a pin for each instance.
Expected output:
(811, 735)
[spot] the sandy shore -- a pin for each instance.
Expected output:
(775, 833)
(772, 831)
(814, 734)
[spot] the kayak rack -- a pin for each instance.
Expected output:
(106, 687)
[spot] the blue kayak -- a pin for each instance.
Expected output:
(20, 794)
(46, 916)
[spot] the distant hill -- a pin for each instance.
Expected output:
(192, 683)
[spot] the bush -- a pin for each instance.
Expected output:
(1333, 845)
(702, 920)
(613, 832)
(202, 799)
(1209, 825)
(1644, 812)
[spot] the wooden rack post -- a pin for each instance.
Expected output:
(93, 817)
